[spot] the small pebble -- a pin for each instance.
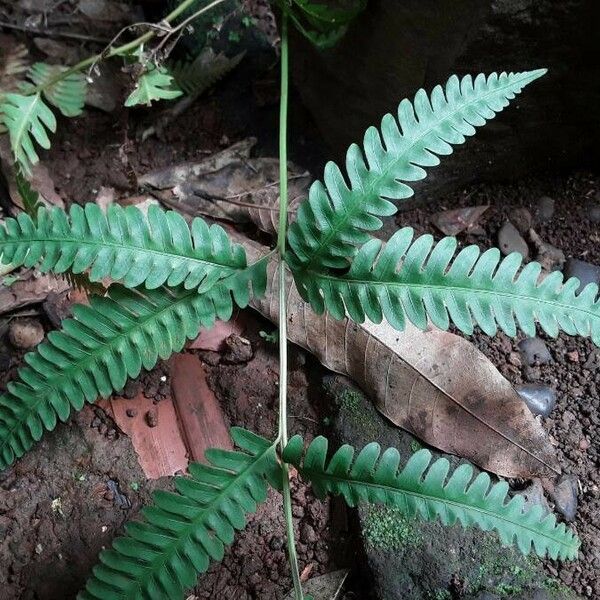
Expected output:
(545, 209)
(521, 218)
(25, 333)
(540, 399)
(593, 212)
(534, 351)
(510, 240)
(573, 356)
(151, 418)
(131, 412)
(534, 494)
(238, 350)
(584, 271)
(565, 496)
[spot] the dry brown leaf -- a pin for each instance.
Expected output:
(30, 291)
(324, 587)
(433, 384)
(13, 64)
(230, 185)
(40, 179)
(453, 222)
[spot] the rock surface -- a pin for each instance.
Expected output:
(540, 399)
(420, 44)
(510, 240)
(411, 560)
(584, 271)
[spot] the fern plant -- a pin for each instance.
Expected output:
(168, 279)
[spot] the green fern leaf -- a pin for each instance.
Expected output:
(339, 213)
(67, 94)
(417, 279)
(126, 246)
(161, 556)
(156, 83)
(27, 117)
(96, 351)
(422, 489)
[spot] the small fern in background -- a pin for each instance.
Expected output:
(196, 76)
(155, 83)
(168, 278)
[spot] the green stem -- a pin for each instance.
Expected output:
(125, 48)
(282, 232)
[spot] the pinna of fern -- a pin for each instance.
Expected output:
(340, 211)
(127, 246)
(419, 281)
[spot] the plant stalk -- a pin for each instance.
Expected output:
(125, 48)
(282, 231)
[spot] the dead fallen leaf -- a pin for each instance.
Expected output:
(68, 54)
(324, 587)
(229, 185)
(40, 179)
(200, 416)
(29, 291)
(105, 10)
(431, 383)
(161, 450)
(453, 222)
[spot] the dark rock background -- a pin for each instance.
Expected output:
(398, 46)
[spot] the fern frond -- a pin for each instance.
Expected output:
(96, 351)
(27, 119)
(161, 556)
(419, 280)
(67, 94)
(126, 246)
(198, 75)
(156, 83)
(423, 489)
(13, 63)
(339, 212)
